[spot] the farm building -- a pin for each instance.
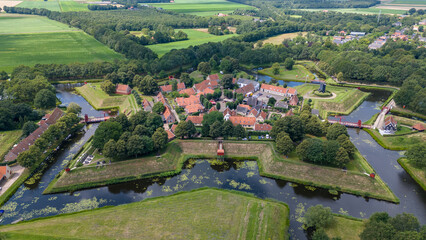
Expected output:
(168, 116)
(418, 127)
(188, 91)
(5, 172)
(285, 92)
(247, 122)
(213, 77)
(196, 120)
(390, 124)
(242, 82)
(170, 135)
(262, 127)
(123, 89)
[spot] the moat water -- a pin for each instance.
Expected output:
(29, 202)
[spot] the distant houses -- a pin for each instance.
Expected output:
(123, 89)
(276, 90)
(169, 88)
(242, 82)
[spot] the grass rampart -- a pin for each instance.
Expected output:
(270, 163)
(185, 215)
(345, 227)
(398, 142)
(417, 174)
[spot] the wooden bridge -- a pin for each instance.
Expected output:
(88, 120)
(351, 124)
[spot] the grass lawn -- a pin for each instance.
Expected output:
(346, 100)
(199, 214)
(45, 48)
(397, 142)
(345, 228)
(194, 38)
(52, 5)
(70, 5)
(278, 40)
(417, 174)
(7, 139)
(93, 93)
(413, 2)
(406, 121)
(271, 164)
(15, 24)
(298, 73)
(199, 7)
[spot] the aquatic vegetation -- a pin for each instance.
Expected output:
(250, 174)
(218, 182)
(343, 212)
(299, 212)
(234, 184)
(252, 165)
(52, 198)
(190, 163)
(197, 180)
(84, 204)
(244, 186)
(263, 181)
(183, 177)
(333, 192)
(166, 189)
(362, 214)
(76, 194)
(216, 162)
(310, 188)
(149, 192)
(293, 185)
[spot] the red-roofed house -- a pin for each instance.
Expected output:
(166, 88)
(247, 122)
(291, 92)
(180, 86)
(5, 172)
(262, 127)
(213, 77)
(199, 87)
(213, 109)
(205, 92)
(183, 102)
(294, 100)
(246, 89)
(390, 124)
(289, 113)
(194, 108)
(230, 112)
(123, 89)
(174, 128)
(160, 98)
(168, 116)
(285, 92)
(419, 127)
(196, 120)
(189, 91)
(262, 116)
(170, 135)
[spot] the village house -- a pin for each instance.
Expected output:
(262, 127)
(123, 89)
(168, 116)
(294, 100)
(262, 116)
(281, 104)
(194, 108)
(247, 122)
(249, 88)
(160, 98)
(199, 87)
(242, 82)
(5, 172)
(205, 92)
(173, 128)
(147, 106)
(213, 77)
(196, 120)
(170, 135)
(229, 112)
(188, 91)
(25, 144)
(390, 124)
(213, 109)
(276, 90)
(418, 127)
(243, 109)
(289, 113)
(183, 102)
(166, 88)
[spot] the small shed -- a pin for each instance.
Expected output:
(419, 127)
(123, 89)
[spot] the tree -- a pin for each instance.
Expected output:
(346, 143)
(139, 118)
(106, 131)
(41, 143)
(216, 130)
(3, 75)
(417, 155)
(239, 132)
(412, 11)
(276, 68)
(342, 157)
(271, 101)
(405, 222)
(340, 76)
(377, 230)
(227, 129)
(74, 108)
(320, 234)
(159, 138)
(288, 63)
(121, 149)
(292, 125)
(204, 68)
(45, 99)
(29, 127)
(28, 158)
(108, 87)
(153, 121)
(311, 150)
(284, 143)
(318, 216)
(109, 150)
(313, 126)
(181, 130)
(158, 108)
(190, 128)
(205, 130)
(335, 130)
(184, 77)
(123, 120)
(135, 146)
(330, 149)
(228, 64)
(142, 130)
(148, 85)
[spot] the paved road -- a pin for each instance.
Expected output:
(378, 124)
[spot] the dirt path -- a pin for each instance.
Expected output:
(307, 95)
(17, 172)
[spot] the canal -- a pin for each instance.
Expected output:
(29, 202)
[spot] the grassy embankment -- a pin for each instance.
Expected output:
(398, 142)
(346, 100)
(345, 227)
(419, 175)
(195, 37)
(100, 100)
(298, 73)
(202, 7)
(271, 164)
(186, 215)
(7, 140)
(30, 40)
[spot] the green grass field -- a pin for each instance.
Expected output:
(298, 73)
(29, 40)
(419, 175)
(70, 6)
(7, 139)
(16, 24)
(372, 10)
(93, 93)
(199, 214)
(202, 7)
(412, 2)
(195, 38)
(345, 228)
(398, 142)
(52, 5)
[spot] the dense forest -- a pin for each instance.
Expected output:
(311, 4)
